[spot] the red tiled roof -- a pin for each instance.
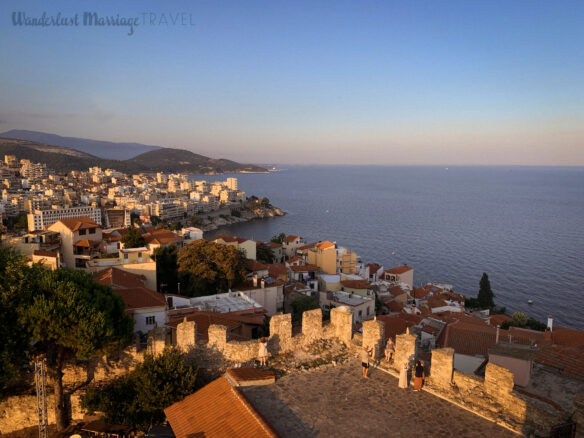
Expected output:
(395, 325)
(395, 306)
(118, 278)
(217, 410)
(78, 223)
(161, 237)
(356, 284)
(43, 253)
(434, 302)
(295, 259)
(252, 265)
(85, 243)
(567, 337)
(241, 375)
(277, 269)
(226, 239)
(399, 270)
(141, 297)
(396, 291)
(325, 245)
(304, 268)
(308, 246)
(498, 320)
(469, 339)
(568, 360)
(291, 238)
(272, 244)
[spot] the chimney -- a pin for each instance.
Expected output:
(550, 323)
(497, 336)
(255, 279)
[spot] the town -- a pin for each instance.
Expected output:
(142, 236)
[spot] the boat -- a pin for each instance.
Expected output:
(529, 301)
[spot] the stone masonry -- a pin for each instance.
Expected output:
(373, 332)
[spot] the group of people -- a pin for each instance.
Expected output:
(418, 370)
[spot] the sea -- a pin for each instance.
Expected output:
(523, 226)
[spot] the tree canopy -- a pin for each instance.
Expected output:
(485, 296)
(132, 238)
(302, 304)
(278, 238)
(167, 268)
(264, 253)
(140, 398)
(206, 268)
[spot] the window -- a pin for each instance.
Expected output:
(360, 313)
(91, 231)
(125, 257)
(82, 232)
(139, 256)
(150, 320)
(368, 310)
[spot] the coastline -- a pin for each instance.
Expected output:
(223, 217)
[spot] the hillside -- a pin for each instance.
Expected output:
(98, 148)
(164, 160)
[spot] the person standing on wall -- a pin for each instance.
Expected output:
(365, 355)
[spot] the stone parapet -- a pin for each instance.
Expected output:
(405, 350)
(312, 325)
(186, 335)
(442, 367)
(280, 333)
(373, 334)
(342, 323)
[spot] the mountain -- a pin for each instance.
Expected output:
(63, 159)
(102, 149)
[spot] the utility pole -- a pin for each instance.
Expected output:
(41, 383)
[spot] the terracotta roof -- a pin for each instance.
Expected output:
(568, 360)
(252, 265)
(226, 239)
(497, 320)
(85, 243)
(272, 244)
(291, 238)
(78, 223)
(204, 320)
(399, 270)
(308, 246)
(140, 297)
(217, 410)
(295, 259)
(43, 253)
(469, 339)
(118, 278)
(277, 269)
(373, 267)
(395, 306)
(325, 245)
(434, 302)
(161, 237)
(396, 291)
(110, 238)
(395, 325)
(304, 268)
(567, 337)
(356, 284)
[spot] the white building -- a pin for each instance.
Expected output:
(41, 219)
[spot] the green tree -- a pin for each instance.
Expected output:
(15, 292)
(206, 268)
(176, 226)
(302, 304)
(195, 221)
(278, 238)
(71, 316)
(167, 267)
(155, 220)
(133, 239)
(139, 399)
(135, 219)
(485, 296)
(264, 253)
(519, 319)
(265, 202)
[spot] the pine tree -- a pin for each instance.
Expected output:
(486, 295)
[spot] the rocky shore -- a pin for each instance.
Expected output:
(225, 217)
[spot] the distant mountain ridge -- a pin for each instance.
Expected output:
(98, 148)
(66, 159)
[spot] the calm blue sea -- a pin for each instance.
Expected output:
(524, 226)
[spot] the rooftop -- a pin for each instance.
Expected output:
(227, 302)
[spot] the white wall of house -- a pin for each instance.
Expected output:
(141, 318)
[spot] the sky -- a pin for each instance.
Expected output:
(306, 82)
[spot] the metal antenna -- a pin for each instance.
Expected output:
(41, 383)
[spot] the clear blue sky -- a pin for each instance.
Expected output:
(388, 82)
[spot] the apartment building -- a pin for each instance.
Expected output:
(42, 219)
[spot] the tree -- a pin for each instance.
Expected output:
(485, 296)
(206, 267)
(195, 221)
(302, 304)
(264, 253)
(265, 202)
(71, 316)
(139, 399)
(278, 238)
(167, 267)
(135, 219)
(519, 319)
(133, 239)
(155, 220)
(15, 291)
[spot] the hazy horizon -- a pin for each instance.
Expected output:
(308, 82)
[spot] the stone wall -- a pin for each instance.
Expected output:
(342, 323)
(312, 325)
(373, 333)
(492, 397)
(405, 350)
